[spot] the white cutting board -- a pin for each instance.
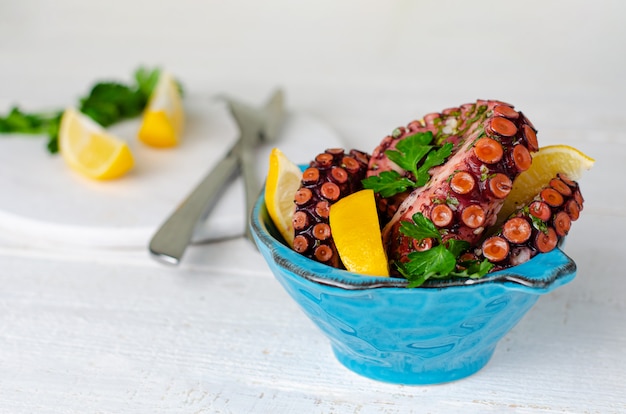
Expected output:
(43, 200)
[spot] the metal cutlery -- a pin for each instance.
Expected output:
(256, 125)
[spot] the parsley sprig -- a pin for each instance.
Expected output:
(440, 261)
(38, 123)
(107, 103)
(416, 154)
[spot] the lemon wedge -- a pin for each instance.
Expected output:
(356, 232)
(547, 163)
(283, 180)
(88, 149)
(163, 119)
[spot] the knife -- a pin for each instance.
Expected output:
(255, 125)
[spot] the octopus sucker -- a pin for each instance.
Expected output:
(517, 230)
(560, 186)
(521, 157)
(496, 249)
(473, 216)
(540, 210)
(573, 209)
(332, 175)
(462, 182)
(530, 134)
(546, 240)
(505, 111)
(490, 149)
(500, 185)
(562, 223)
(501, 126)
(536, 227)
(441, 215)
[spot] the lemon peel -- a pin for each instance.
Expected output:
(356, 232)
(283, 180)
(163, 118)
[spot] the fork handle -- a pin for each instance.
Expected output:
(170, 241)
(249, 173)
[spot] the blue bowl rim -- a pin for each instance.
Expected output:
(541, 274)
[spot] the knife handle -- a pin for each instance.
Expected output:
(170, 241)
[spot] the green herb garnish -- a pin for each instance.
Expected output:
(107, 103)
(485, 174)
(415, 154)
(539, 224)
(16, 121)
(388, 183)
(440, 261)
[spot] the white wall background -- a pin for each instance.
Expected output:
(569, 55)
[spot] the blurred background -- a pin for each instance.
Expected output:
(386, 62)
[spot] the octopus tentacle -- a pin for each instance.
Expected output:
(492, 147)
(452, 125)
(536, 227)
(332, 175)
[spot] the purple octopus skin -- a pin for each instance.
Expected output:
(536, 227)
(331, 176)
(492, 145)
(451, 125)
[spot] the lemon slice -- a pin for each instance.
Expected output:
(87, 148)
(547, 163)
(283, 180)
(163, 119)
(356, 232)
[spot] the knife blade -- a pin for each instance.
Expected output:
(170, 241)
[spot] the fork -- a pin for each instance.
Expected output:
(256, 125)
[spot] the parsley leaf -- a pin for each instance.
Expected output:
(457, 247)
(110, 102)
(440, 261)
(17, 120)
(435, 262)
(146, 80)
(388, 183)
(474, 269)
(539, 224)
(410, 150)
(415, 154)
(421, 228)
(433, 159)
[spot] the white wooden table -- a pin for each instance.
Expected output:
(87, 330)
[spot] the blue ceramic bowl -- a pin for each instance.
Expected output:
(439, 332)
